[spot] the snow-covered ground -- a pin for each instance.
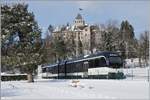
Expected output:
(137, 73)
(136, 87)
(134, 62)
(62, 89)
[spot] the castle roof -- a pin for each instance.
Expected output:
(79, 16)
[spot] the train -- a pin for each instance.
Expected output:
(98, 65)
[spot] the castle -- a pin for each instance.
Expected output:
(88, 35)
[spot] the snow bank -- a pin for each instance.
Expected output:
(5, 74)
(137, 73)
(61, 89)
(134, 62)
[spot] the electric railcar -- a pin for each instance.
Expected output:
(91, 66)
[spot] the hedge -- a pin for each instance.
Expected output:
(13, 77)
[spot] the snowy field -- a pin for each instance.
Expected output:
(136, 88)
(63, 89)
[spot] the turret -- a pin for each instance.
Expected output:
(79, 21)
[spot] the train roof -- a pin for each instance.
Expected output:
(105, 53)
(84, 58)
(50, 65)
(98, 54)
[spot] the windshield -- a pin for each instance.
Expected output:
(115, 59)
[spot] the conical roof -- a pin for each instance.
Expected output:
(79, 16)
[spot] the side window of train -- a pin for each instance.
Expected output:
(60, 68)
(44, 70)
(77, 67)
(91, 64)
(73, 67)
(85, 65)
(70, 67)
(56, 69)
(97, 62)
(102, 62)
(80, 68)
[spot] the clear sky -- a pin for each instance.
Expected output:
(60, 12)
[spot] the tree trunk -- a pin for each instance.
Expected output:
(140, 64)
(30, 77)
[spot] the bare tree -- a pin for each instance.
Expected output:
(144, 46)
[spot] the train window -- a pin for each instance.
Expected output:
(81, 67)
(50, 69)
(96, 64)
(44, 70)
(73, 67)
(91, 64)
(102, 62)
(70, 68)
(55, 71)
(59, 68)
(62, 68)
(47, 69)
(85, 66)
(115, 59)
(77, 67)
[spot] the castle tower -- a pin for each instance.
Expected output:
(78, 22)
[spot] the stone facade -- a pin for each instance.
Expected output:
(89, 35)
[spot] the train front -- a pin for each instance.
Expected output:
(114, 60)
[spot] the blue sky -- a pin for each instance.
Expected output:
(60, 12)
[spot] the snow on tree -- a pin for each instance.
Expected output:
(18, 22)
(127, 39)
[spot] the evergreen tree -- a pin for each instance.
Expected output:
(70, 46)
(59, 48)
(80, 47)
(110, 37)
(127, 39)
(21, 38)
(48, 54)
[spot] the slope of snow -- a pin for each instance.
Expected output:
(61, 89)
